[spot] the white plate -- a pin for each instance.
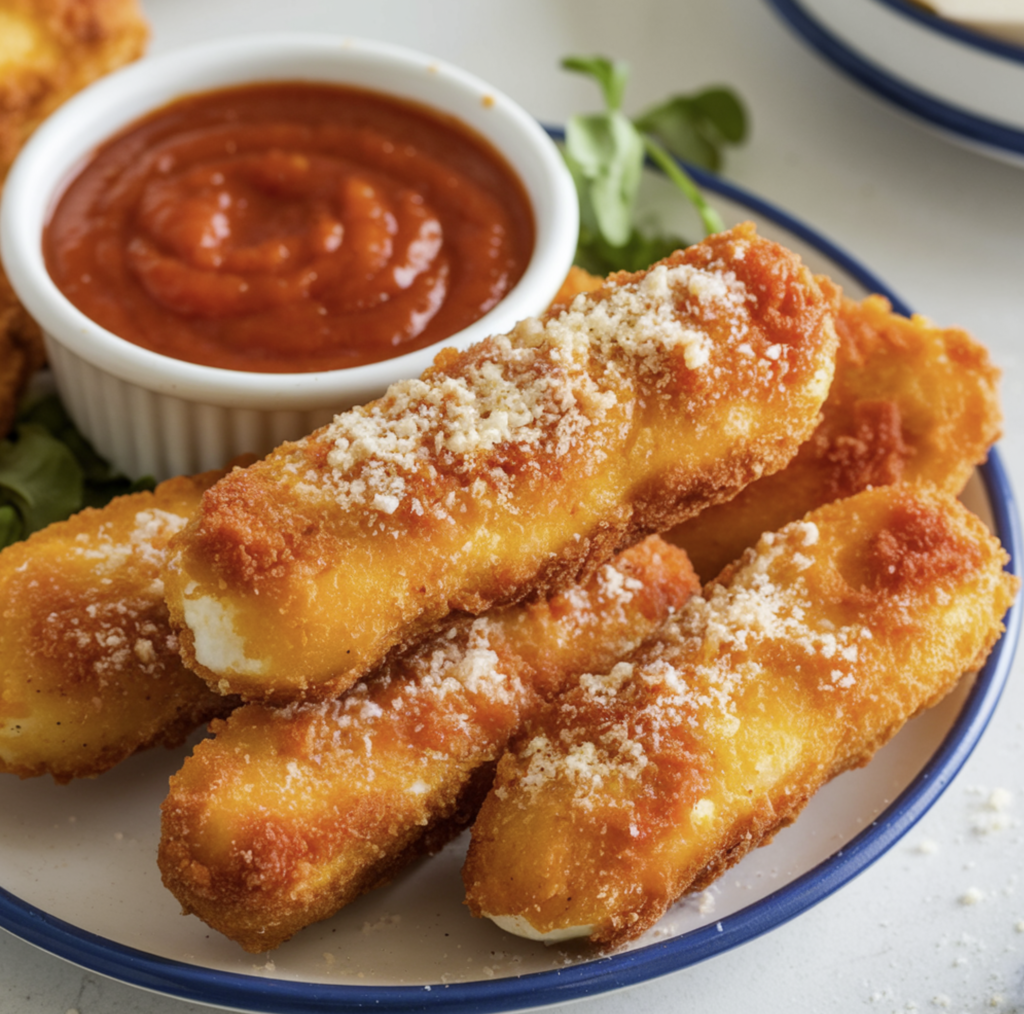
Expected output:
(78, 874)
(965, 85)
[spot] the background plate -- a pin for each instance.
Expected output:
(955, 80)
(78, 875)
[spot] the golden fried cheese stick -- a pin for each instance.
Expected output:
(50, 49)
(797, 664)
(508, 470)
(285, 816)
(909, 401)
(89, 666)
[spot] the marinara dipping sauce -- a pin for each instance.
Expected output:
(290, 227)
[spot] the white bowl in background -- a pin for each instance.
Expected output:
(964, 84)
(998, 19)
(150, 414)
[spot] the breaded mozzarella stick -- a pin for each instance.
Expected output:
(797, 664)
(89, 665)
(285, 816)
(509, 470)
(909, 402)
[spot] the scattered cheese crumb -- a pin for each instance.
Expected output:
(999, 799)
(542, 387)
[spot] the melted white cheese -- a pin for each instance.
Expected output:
(521, 927)
(218, 645)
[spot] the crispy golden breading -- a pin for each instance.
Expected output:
(21, 353)
(50, 49)
(285, 816)
(796, 665)
(508, 470)
(576, 281)
(909, 402)
(89, 666)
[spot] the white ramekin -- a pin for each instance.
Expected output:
(153, 415)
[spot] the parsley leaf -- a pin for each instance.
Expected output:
(606, 151)
(49, 471)
(39, 480)
(696, 127)
(607, 157)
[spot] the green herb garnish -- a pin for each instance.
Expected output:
(49, 471)
(606, 151)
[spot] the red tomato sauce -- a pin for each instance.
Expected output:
(290, 227)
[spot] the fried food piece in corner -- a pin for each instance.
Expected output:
(797, 664)
(21, 353)
(285, 816)
(50, 49)
(909, 402)
(508, 470)
(89, 666)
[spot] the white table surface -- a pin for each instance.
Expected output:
(944, 227)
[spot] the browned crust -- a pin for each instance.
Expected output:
(908, 565)
(255, 533)
(909, 402)
(262, 539)
(49, 50)
(89, 667)
(576, 281)
(53, 49)
(260, 863)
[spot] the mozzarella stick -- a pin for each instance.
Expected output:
(286, 815)
(509, 470)
(89, 665)
(798, 663)
(909, 402)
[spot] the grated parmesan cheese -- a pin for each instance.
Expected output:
(541, 388)
(692, 676)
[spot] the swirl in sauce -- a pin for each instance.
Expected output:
(290, 227)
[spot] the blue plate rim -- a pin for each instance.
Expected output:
(266, 995)
(978, 130)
